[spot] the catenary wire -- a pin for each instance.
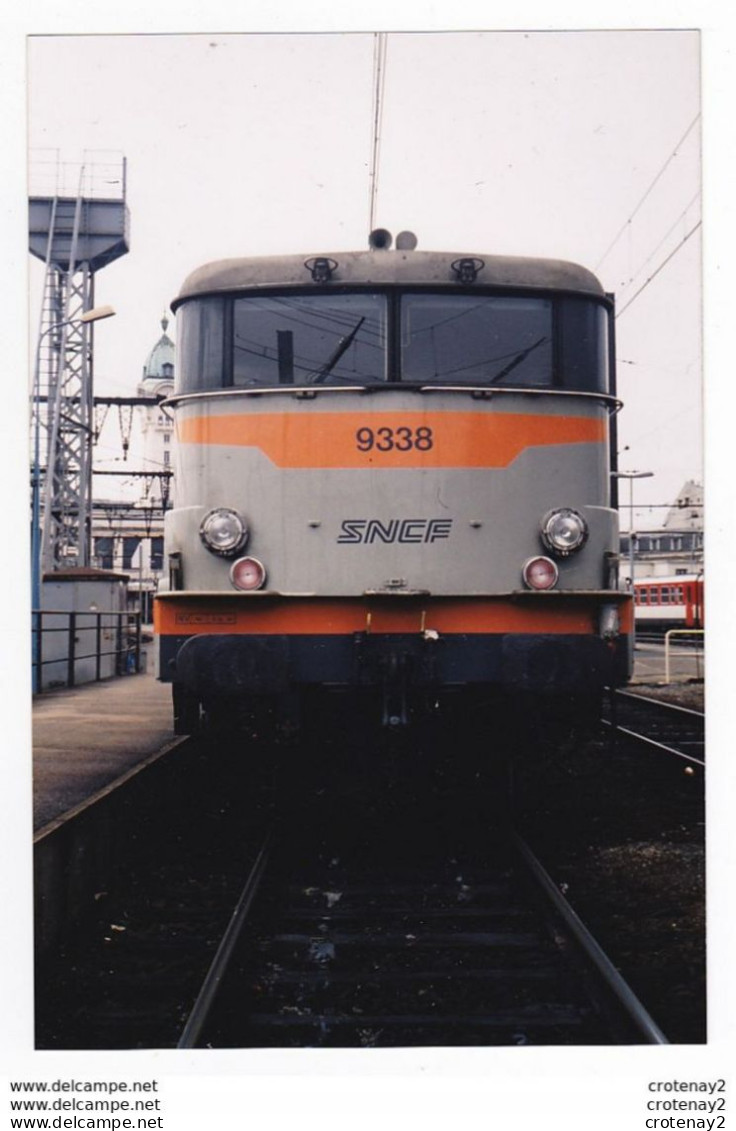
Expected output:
(663, 264)
(666, 236)
(658, 177)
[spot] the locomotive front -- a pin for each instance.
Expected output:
(392, 481)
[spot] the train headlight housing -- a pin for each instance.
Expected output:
(248, 574)
(540, 573)
(223, 532)
(564, 531)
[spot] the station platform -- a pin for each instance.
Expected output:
(86, 737)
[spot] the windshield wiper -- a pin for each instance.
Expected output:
(516, 361)
(342, 347)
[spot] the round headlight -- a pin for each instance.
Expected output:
(564, 531)
(539, 573)
(223, 532)
(247, 573)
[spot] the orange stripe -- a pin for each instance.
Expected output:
(190, 615)
(329, 439)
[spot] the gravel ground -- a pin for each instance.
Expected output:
(690, 694)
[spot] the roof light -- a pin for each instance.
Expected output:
(321, 268)
(466, 269)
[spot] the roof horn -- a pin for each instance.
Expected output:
(380, 239)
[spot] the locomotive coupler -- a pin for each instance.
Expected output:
(394, 707)
(394, 666)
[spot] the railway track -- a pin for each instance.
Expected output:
(343, 945)
(129, 905)
(655, 725)
(385, 910)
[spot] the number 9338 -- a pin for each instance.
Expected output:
(394, 439)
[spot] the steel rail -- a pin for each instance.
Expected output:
(635, 1011)
(211, 985)
(642, 738)
(660, 703)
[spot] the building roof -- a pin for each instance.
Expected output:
(161, 355)
(687, 511)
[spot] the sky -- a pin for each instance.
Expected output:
(581, 145)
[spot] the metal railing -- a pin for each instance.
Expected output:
(98, 174)
(696, 632)
(120, 630)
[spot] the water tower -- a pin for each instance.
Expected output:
(78, 222)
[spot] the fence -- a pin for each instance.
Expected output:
(60, 637)
(689, 633)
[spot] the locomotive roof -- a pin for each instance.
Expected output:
(382, 267)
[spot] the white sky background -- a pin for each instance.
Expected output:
(520, 143)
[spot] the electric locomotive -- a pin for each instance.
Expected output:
(392, 483)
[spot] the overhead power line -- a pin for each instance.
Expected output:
(663, 240)
(658, 177)
(662, 264)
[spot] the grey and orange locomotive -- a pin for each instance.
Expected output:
(392, 484)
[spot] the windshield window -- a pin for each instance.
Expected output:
(476, 339)
(583, 344)
(309, 339)
(350, 338)
(200, 345)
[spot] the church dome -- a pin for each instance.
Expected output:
(160, 362)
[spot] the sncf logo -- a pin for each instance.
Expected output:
(365, 530)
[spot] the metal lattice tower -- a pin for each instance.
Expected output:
(78, 223)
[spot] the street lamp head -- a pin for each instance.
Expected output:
(93, 315)
(97, 313)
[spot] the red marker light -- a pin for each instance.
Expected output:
(247, 574)
(540, 573)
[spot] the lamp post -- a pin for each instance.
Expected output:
(96, 314)
(631, 476)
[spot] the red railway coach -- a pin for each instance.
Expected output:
(392, 484)
(662, 603)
